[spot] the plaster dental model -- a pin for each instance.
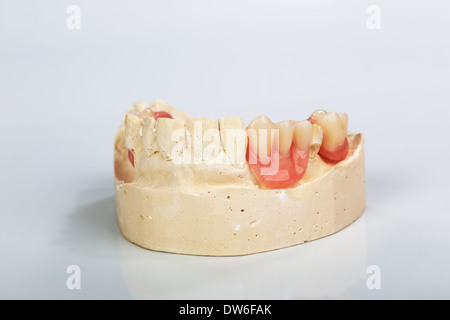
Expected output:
(205, 187)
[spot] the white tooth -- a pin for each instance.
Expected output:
(204, 139)
(334, 130)
(261, 133)
(286, 133)
(316, 140)
(170, 137)
(302, 134)
(149, 136)
(133, 135)
(161, 105)
(234, 139)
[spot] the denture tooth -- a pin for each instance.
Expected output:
(170, 137)
(261, 133)
(133, 135)
(302, 134)
(334, 127)
(286, 133)
(149, 136)
(204, 139)
(316, 140)
(234, 139)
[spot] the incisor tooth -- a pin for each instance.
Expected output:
(285, 135)
(149, 136)
(334, 127)
(133, 135)
(204, 139)
(234, 139)
(316, 140)
(261, 133)
(302, 134)
(170, 137)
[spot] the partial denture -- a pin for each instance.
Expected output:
(276, 154)
(220, 188)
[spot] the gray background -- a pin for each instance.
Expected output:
(63, 94)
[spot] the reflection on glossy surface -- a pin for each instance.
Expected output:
(325, 268)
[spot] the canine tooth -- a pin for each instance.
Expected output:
(234, 139)
(334, 127)
(204, 139)
(133, 135)
(286, 133)
(316, 140)
(302, 134)
(261, 133)
(170, 137)
(149, 136)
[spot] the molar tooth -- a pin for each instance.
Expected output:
(133, 135)
(234, 139)
(261, 133)
(302, 134)
(316, 140)
(334, 127)
(149, 136)
(204, 139)
(170, 137)
(286, 133)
